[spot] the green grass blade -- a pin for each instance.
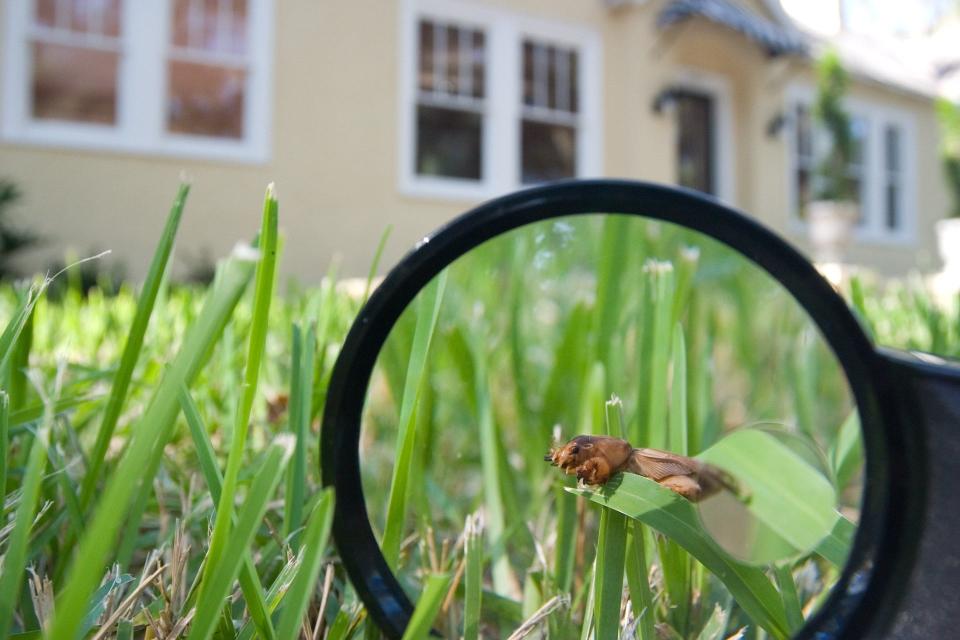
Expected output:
(715, 625)
(608, 577)
(846, 453)
(250, 583)
(472, 577)
(15, 557)
(301, 395)
(611, 549)
(788, 593)
(4, 439)
(314, 542)
(675, 517)
(651, 429)
(421, 622)
(375, 263)
(133, 347)
(19, 362)
(152, 433)
(836, 546)
(613, 258)
(221, 577)
(262, 297)
(641, 599)
(428, 309)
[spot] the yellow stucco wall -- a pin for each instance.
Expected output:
(335, 144)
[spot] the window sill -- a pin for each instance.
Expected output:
(99, 138)
(864, 237)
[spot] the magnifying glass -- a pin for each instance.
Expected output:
(686, 331)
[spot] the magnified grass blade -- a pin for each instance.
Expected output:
(473, 577)
(846, 453)
(788, 593)
(427, 607)
(133, 346)
(611, 549)
(641, 599)
(428, 309)
(675, 517)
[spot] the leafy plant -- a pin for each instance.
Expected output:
(949, 115)
(12, 239)
(832, 181)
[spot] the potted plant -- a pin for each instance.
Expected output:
(834, 208)
(948, 229)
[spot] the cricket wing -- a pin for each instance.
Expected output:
(657, 465)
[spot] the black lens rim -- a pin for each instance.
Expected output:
(882, 538)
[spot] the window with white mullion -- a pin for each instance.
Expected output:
(549, 118)
(75, 50)
(893, 188)
(208, 69)
(451, 101)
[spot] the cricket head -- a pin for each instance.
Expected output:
(573, 453)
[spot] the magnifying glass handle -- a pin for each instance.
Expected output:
(927, 394)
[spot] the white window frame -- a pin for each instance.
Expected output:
(873, 229)
(141, 90)
(723, 143)
(504, 32)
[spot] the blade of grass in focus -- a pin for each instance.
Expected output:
(250, 583)
(428, 308)
(133, 346)
(153, 432)
(314, 542)
(15, 556)
(262, 297)
(301, 387)
(219, 580)
(427, 607)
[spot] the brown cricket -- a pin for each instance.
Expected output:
(594, 459)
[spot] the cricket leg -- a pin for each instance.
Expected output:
(594, 471)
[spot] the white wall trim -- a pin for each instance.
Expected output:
(141, 91)
(724, 141)
(878, 116)
(504, 31)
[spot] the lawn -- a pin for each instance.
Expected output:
(161, 479)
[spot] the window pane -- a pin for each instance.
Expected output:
(574, 82)
(804, 139)
(892, 202)
(859, 128)
(892, 148)
(549, 152)
(803, 192)
(74, 84)
(695, 142)
(210, 25)
(449, 143)
(529, 75)
(205, 100)
(553, 70)
(453, 61)
(84, 16)
(478, 52)
(426, 76)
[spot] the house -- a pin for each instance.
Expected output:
(375, 113)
